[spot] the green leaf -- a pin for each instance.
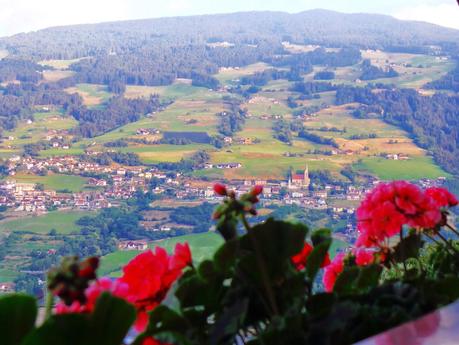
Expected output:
(107, 325)
(69, 329)
(229, 323)
(225, 256)
(207, 270)
(369, 276)
(316, 258)
(345, 283)
(320, 304)
(320, 236)
(408, 247)
(17, 318)
(277, 242)
(165, 325)
(111, 319)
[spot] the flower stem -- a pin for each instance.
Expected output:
(49, 305)
(403, 250)
(452, 229)
(447, 243)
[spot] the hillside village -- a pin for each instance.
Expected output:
(121, 182)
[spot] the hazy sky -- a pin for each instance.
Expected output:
(26, 15)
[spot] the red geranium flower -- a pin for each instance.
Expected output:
(332, 271)
(257, 190)
(387, 220)
(442, 197)
(408, 196)
(300, 260)
(181, 257)
(149, 277)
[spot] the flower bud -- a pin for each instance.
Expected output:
(257, 190)
(220, 189)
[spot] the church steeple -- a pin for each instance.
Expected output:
(306, 179)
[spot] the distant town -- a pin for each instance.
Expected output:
(121, 182)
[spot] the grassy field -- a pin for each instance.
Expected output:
(62, 221)
(56, 75)
(7, 275)
(165, 153)
(54, 181)
(202, 246)
(226, 76)
(43, 123)
(59, 64)
(415, 168)
(415, 70)
(93, 95)
(178, 90)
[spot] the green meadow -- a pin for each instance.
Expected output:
(415, 168)
(54, 181)
(202, 246)
(62, 221)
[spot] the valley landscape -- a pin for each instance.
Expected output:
(113, 134)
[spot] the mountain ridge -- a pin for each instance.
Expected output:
(316, 26)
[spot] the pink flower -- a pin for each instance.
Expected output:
(332, 271)
(387, 221)
(408, 196)
(364, 257)
(113, 286)
(390, 206)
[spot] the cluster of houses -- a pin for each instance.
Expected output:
(122, 182)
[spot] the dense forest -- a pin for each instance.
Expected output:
(448, 82)
(263, 30)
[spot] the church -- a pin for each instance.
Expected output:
(299, 180)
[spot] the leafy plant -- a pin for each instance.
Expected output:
(262, 286)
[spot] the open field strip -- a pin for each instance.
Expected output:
(62, 221)
(54, 181)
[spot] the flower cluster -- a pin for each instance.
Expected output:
(390, 206)
(144, 283)
(70, 281)
(244, 204)
(232, 209)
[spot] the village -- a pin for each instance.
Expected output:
(113, 184)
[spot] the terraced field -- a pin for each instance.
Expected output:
(195, 109)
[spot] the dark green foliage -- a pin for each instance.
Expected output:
(107, 325)
(281, 131)
(371, 72)
(17, 318)
(324, 75)
(315, 138)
